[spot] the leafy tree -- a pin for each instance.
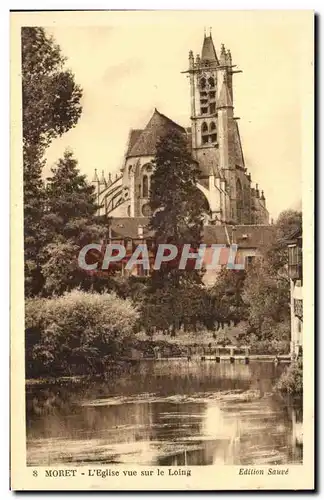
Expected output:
(70, 224)
(266, 288)
(267, 299)
(51, 106)
(51, 98)
(226, 298)
(177, 209)
(77, 332)
(288, 225)
(177, 219)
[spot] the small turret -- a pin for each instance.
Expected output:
(249, 177)
(228, 58)
(191, 60)
(222, 59)
(257, 192)
(103, 180)
(198, 60)
(95, 177)
(109, 179)
(262, 195)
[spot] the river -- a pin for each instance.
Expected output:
(166, 413)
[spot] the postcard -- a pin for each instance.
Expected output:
(162, 246)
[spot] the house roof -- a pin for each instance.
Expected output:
(145, 141)
(127, 227)
(247, 236)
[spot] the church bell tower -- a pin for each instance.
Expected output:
(213, 127)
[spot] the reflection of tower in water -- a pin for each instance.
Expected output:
(297, 434)
(224, 435)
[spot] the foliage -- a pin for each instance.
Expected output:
(288, 225)
(51, 98)
(70, 224)
(177, 211)
(291, 381)
(51, 106)
(174, 297)
(266, 291)
(267, 298)
(77, 331)
(226, 297)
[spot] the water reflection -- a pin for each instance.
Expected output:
(167, 413)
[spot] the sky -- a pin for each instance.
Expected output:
(131, 63)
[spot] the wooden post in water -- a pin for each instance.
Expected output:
(232, 355)
(217, 355)
(247, 353)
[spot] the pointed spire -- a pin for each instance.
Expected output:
(208, 52)
(229, 58)
(257, 192)
(109, 179)
(262, 195)
(103, 180)
(95, 177)
(222, 58)
(191, 59)
(224, 100)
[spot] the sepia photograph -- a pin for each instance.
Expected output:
(161, 160)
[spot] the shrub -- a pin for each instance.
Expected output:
(78, 331)
(291, 380)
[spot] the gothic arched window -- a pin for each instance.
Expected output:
(203, 83)
(204, 133)
(213, 132)
(211, 82)
(145, 188)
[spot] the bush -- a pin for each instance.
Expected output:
(77, 332)
(291, 380)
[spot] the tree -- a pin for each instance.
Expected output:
(51, 106)
(177, 218)
(226, 297)
(266, 287)
(70, 225)
(51, 98)
(177, 209)
(288, 225)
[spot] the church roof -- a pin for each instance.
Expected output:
(145, 141)
(208, 52)
(132, 139)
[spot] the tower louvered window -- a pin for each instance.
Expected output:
(204, 133)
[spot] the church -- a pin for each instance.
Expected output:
(233, 204)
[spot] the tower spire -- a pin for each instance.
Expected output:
(208, 52)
